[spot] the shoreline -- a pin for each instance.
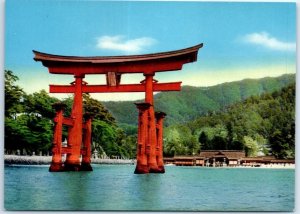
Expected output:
(270, 166)
(46, 160)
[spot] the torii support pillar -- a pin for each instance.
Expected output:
(152, 139)
(87, 141)
(75, 132)
(159, 132)
(56, 164)
(142, 151)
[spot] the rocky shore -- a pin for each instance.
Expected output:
(46, 160)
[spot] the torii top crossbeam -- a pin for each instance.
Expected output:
(147, 63)
(114, 66)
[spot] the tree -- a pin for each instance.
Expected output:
(236, 145)
(17, 134)
(282, 144)
(204, 142)
(219, 143)
(42, 132)
(173, 144)
(95, 107)
(13, 95)
(129, 143)
(27, 118)
(103, 133)
(251, 147)
(40, 103)
(28, 132)
(193, 146)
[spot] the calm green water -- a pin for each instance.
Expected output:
(115, 187)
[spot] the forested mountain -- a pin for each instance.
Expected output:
(259, 125)
(192, 102)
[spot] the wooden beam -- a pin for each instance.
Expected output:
(68, 121)
(172, 86)
(61, 89)
(147, 63)
(66, 150)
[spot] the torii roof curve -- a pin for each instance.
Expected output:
(147, 63)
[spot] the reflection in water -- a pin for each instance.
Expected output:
(73, 188)
(113, 187)
(147, 190)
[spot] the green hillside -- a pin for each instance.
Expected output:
(192, 102)
(259, 125)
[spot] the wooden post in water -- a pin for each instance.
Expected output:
(151, 140)
(56, 164)
(159, 149)
(75, 132)
(141, 153)
(87, 142)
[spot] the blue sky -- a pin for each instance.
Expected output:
(241, 40)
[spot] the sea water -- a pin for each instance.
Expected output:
(116, 187)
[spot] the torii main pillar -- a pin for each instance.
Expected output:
(150, 127)
(149, 136)
(56, 164)
(143, 148)
(152, 140)
(75, 132)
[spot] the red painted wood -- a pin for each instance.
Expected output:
(172, 86)
(84, 126)
(152, 140)
(157, 62)
(83, 152)
(87, 142)
(147, 68)
(75, 132)
(56, 164)
(159, 132)
(61, 88)
(141, 155)
(66, 150)
(68, 121)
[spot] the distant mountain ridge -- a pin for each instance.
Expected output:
(190, 102)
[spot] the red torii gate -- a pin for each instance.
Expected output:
(150, 125)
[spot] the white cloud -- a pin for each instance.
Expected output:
(119, 43)
(267, 41)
